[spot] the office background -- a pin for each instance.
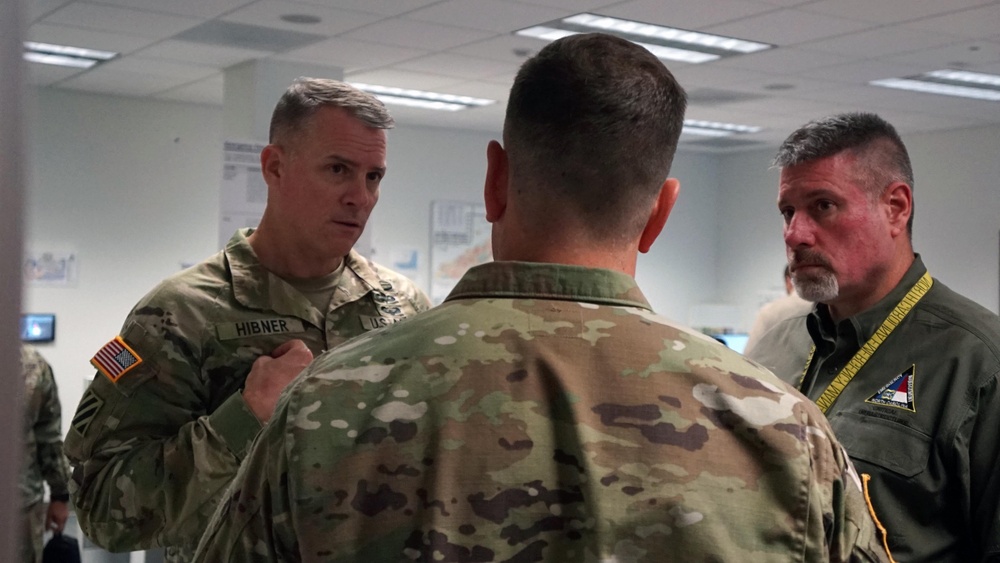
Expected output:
(124, 161)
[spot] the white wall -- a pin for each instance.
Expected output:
(957, 202)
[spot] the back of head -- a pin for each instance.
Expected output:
(306, 95)
(881, 156)
(592, 126)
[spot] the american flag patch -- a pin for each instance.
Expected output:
(115, 359)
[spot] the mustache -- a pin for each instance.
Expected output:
(806, 257)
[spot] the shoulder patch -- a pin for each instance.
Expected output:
(89, 405)
(897, 393)
(115, 359)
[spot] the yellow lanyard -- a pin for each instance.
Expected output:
(852, 368)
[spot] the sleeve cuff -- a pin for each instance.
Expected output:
(59, 497)
(235, 424)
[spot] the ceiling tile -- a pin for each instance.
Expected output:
(788, 27)
(486, 14)
(965, 54)
(89, 38)
(889, 11)
(351, 55)
(460, 66)
(193, 8)
(863, 72)
(512, 48)
(206, 91)
(418, 35)
(572, 6)
(883, 41)
(155, 67)
(44, 75)
(784, 60)
(38, 9)
(207, 55)
(382, 7)
(116, 19)
(405, 79)
(968, 23)
(687, 15)
(121, 82)
(268, 13)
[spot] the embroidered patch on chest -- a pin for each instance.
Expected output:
(898, 392)
(115, 359)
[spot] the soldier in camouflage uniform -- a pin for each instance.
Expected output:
(43, 456)
(544, 412)
(188, 383)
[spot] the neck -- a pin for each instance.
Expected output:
(288, 260)
(553, 248)
(850, 305)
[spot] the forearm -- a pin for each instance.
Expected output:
(147, 493)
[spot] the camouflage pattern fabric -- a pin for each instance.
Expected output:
(43, 457)
(542, 413)
(43, 445)
(32, 532)
(153, 451)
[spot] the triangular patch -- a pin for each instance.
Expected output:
(898, 392)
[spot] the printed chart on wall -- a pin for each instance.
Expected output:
(243, 191)
(460, 239)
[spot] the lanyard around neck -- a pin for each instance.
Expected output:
(825, 401)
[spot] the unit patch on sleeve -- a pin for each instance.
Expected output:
(898, 392)
(115, 359)
(89, 405)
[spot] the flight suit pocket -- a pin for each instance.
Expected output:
(889, 445)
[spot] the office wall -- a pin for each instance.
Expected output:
(130, 187)
(957, 203)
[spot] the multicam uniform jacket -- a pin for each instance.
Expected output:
(155, 440)
(542, 413)
(43, 456)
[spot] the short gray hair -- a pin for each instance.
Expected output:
(301, 100)
(880, 154)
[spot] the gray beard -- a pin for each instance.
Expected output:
(817, 289)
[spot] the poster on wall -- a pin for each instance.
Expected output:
(50, 269)
(460, 239)
(243, 193)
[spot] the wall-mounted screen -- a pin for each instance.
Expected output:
(37, 327)
(736, 341)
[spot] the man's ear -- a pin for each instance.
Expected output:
(658, 215)
(495, 191)
(898, 198)
(270, 164)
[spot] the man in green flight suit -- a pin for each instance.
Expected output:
(192, 377)
(544, 412)
(907, 370)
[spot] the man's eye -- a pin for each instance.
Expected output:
(786, 214)
(338, 168)
(824, 205)
(374, 176)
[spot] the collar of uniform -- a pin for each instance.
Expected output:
(358, 279)
(533, 280)
(255, 287)
(862, 326)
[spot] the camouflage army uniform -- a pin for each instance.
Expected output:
(153, 451)
(43, 457)
(542, 413)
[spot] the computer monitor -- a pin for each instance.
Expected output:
(736, 341)
(38, 327)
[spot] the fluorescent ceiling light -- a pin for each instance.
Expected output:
(716, 129)
(664, 42)
(960, 83)
(65, 55)
(422, 99)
